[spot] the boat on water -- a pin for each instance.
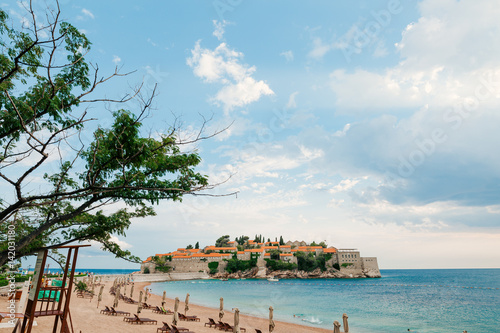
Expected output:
(272, 279)
(224, 279)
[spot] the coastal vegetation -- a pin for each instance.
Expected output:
(213, 267)
(81, 165)
(162, 263)
(278, 265)
(236, 265)
(308, 262)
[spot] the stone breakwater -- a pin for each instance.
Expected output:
(296, 274)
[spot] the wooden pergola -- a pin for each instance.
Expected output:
(51, 300)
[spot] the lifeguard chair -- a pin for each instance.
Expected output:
(51, 300)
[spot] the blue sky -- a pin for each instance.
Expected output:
(368, 124)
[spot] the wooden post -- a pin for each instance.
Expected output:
(33, 295)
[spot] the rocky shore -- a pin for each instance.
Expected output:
(296, 274)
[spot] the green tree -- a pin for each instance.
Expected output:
(282, 242)
(213, 267)
(46, 85)
(242, 240)
(278, 265)
(197, 245)
(189, 247)
(222, 241)
(275, 254)
(234, 265)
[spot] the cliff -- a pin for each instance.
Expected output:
(296, 274)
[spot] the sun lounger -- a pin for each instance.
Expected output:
(106, 311)
(169, 329)
(164, 328)
(137, 320)
(211, 323)
(167, 311)
(157, 310)
(119, 313)
(176, 329)
(147, 306)
(188, 318)
(229, 328)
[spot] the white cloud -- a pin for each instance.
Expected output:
(319, 49)
(223, 65)
(380, 50)
(443, 57)
(116, 59)
(344, 185)
(122, 244)
(292, 104)
(219, 29)
(288, 55)
(88, 13)
(150, 41)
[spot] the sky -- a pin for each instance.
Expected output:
(366, 124)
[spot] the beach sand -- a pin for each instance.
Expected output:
(86, 316)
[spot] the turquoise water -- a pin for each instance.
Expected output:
(99, 271)
(425, 301)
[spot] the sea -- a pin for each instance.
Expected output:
(95, 271)
(422, 300)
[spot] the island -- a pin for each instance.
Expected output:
(245, 258)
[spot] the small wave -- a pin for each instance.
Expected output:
(313, 320)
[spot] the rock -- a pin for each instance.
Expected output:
(372, 273)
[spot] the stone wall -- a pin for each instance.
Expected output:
(370, 263)
(150, 265)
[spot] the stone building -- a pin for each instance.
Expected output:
(183, 260)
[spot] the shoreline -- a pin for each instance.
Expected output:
(86, 316)
(250, 322)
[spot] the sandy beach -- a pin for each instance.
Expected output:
(86, 316)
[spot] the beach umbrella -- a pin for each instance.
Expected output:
(175, 320)
(99, 298)
(271, 321)
(139, 305)
(146, 296)
(186, 304)
(163, 298)
(346, 324)
(336, 327)
(117, 297)
(131, 291)
(236, 327)
(221, 309)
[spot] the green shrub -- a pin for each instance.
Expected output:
(347, 264)
(278, 265)
(213, 267)
(164, 269)
(146, 270)
(336, 266)
(234, 265)
(309, 262)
